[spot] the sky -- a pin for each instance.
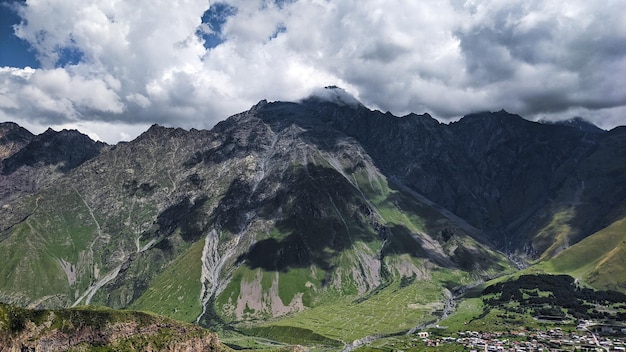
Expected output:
(112, 68)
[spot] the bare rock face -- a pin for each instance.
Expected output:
(66, 149)
(30, 163)
(12, 139)
(502, 174)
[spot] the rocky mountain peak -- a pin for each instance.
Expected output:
(424, 119)
(578, 123)
(49, 132)
(334, 95)
(259, 105)
(490, 118)
(12, 138)
(156, 129)
(67, 148)
(12, 127)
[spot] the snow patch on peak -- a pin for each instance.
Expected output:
(334, 94)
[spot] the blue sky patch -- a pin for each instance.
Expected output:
(69, 55)
(215, 18)
(14, 52)
(280, 29)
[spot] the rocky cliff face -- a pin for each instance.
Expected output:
(506, 176)
(12, 139)
(30, 163)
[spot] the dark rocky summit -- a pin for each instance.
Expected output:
(29, 163)
(12, 139)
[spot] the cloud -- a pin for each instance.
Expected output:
(547, 56)
(191, 63)
(334, 95)
(56, 94)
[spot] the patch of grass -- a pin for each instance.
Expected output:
(232, 291)
(554, 235)
(393, 206)
(487, 319)
(295, 281)
(467, 310)
(34, 248)
(393, 309)
(176, 291)
(267, 279)
(29, 269)
(240, 341)
(276, 233)
(66, 229)
(291, 335)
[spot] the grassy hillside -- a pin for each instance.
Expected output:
(533, 301)
(97, 329)
(42, 251)
(398, 307)
(397, 261)
(599, 260)
(395, 278)
(176, 291)
(414, 224)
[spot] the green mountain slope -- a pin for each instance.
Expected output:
(535, 301)
(43, 250)
(599, 260)
(592, 197)
(175, 291)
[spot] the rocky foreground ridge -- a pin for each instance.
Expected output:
(292, 207)
(86, 329)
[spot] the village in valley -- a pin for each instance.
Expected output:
(551, 340)
(588, 336)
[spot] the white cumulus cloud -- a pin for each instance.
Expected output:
(133, 63)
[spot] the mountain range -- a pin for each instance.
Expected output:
(308, 215)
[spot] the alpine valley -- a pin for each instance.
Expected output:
(319, 222)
